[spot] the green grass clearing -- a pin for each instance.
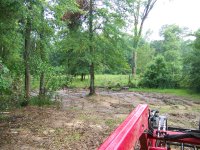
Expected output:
(101, 81)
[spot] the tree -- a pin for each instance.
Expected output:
(37, 37)
(42, 54)
(45, 32)
(145, 55)
(27, 49)
(171, 46)
(194, 73)
(91, 48)
(97, 31)
(140, 10)
(139, 19)
(11, 37)
(74, 41)
(186, 52)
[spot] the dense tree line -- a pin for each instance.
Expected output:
(51, 42)
(175, 62)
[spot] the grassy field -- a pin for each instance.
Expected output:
(102, 81)
(177, 92)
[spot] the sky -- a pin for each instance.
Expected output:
(185, 13)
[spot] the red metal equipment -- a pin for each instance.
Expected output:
(145, 130)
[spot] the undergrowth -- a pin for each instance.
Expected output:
(41, 101)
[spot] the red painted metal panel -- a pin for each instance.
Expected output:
(129, 132)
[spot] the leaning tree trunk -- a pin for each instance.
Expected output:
(26, 58)
(139, 19)
(92, 87)
(134, 58)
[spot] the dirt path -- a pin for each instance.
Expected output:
(84, 122)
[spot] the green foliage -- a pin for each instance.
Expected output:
(5, 80)
(194, 74)
(108, 44)
(134, 83)
(157, 75)
(4, 118)
(73, 53)
(145, 55)
(55, 79)
(10, 43)
(8, 102)
(5, 103)
(40, 101)
(171, 49)
(57, 82)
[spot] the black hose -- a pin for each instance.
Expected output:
(182, 136)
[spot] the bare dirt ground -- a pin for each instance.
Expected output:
(83, 122)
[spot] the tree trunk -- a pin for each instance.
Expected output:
(27, 81)
(134, 69)
(92, 88)
(139, 19)
(42, 56)
(26, 58)
(82, 76)
(134, 59)
(42, 84)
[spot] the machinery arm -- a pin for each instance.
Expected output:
(127, 134)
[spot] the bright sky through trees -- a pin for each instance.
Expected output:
(184, 13)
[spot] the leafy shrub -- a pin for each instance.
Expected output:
(57, 82)
(5, 102)
(157, 75)
(40, 101)
(133, 83)
(8, 102)
(5, 80)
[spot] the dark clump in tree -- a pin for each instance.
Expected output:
(74, 18)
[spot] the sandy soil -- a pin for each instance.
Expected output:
(83, 122)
